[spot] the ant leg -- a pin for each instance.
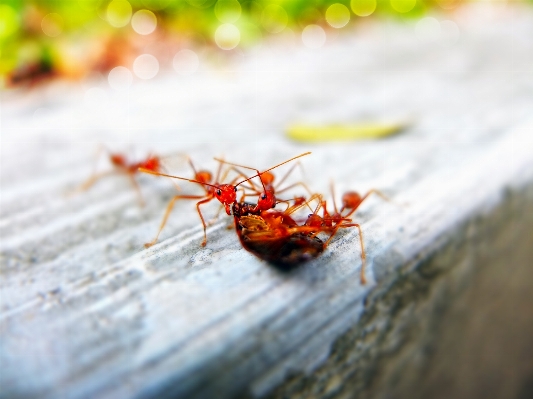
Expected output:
(352, 200)
(244, 195)
(289, 171)
(204, 201)
(93, 179)
(240, 175)
(286, 175)
(137, 189)
(95, 176)
(294, 185)
(332, 188)
(231, 167)
(189, 160)
(220, 209)
(234, 167)
(379, 193)
(363, 255)
(167, 213)
(299, 205)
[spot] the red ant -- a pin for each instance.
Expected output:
(226, 194)
(121, 165)
(212, 190)
(276, 237)
(328, 223)
(267, 198)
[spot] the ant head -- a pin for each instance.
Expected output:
(204, 176)
(227, 195)
(267, 178)
(267, 200)
(351, 200)
(151, 163)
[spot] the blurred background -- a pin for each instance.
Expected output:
(137, 39)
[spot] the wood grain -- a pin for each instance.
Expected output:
(86, 311)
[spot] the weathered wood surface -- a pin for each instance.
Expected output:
(87, 312)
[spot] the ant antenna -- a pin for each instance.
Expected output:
(274, 167)
(152, 172)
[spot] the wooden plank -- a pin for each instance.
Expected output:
(86, 311)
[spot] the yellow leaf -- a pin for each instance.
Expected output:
(343, 132)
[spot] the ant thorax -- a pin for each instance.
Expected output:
(151, 163)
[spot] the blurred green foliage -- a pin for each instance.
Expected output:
(60, 36)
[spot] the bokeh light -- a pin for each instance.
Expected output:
(146, 66)
(120, 78)
(274, 18)
(144, 22)
(156, 4)
(9, 21)
(448, 4)
(227, 10)
(313, 36)
(201, 4)
(185, 62)
(337, 15)
(108, 31)
(403, 6)
(250, 34)
(428, 28)
(450, 31)
(363, 8)
(227, 36)
(119, 13)
(88, 5)
(52, 24)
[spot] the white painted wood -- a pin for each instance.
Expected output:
(86, 311)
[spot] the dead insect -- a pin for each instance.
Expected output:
(275, 236)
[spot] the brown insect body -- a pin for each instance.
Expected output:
(275, 237)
